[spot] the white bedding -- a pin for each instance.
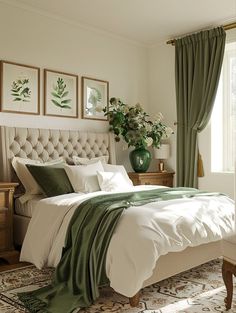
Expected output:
(142, 235)
(26, 208)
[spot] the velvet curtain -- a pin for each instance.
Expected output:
(198, 61)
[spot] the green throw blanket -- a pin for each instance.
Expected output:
(82, 267)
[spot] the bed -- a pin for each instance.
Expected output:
(50, 144)
(46, 145)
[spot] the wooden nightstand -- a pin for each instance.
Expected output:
(7, 251)
(152, 178)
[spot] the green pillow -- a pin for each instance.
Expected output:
(52, 179)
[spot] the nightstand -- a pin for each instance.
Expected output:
(152, 178)
(7, 251)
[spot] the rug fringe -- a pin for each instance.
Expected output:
(32, 303)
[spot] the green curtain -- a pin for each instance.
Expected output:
(198, 61)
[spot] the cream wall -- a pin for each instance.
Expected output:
(135, 74)
(32, 38)
(162, 96)
(162, 91)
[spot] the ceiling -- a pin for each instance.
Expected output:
(144, 21)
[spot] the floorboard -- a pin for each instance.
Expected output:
(6, 267)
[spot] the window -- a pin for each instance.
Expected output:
(223, 120)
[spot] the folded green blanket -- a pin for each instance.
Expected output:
(82, 267)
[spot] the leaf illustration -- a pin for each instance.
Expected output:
(55, 94)
(94, 96)
(60, 93)
(66, 106)
(56, 103)
(65, 94)
(20, 90)
(66, 101)
(24, 91)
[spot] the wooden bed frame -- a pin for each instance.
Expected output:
(50, 144)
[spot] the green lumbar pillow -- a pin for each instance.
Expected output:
(52, 179)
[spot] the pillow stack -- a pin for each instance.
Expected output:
(56, 177)
(32, 187)
(84, 177)
(97, 175)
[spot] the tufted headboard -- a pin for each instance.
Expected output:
(49, 144)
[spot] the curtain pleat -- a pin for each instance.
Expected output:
(198, 62)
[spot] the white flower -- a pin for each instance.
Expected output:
(159, 117)
(138, 106)
(168, 132)
(149, 141)
(126, 109)
(148, 127)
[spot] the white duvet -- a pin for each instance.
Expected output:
(142, 235)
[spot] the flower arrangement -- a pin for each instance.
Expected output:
(135, 125)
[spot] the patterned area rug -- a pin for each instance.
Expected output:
(198, 290)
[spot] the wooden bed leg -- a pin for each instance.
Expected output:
(228, 280)
(134, 301)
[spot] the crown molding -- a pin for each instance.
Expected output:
(61, 19)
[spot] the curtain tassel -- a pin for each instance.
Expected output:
(200, 169)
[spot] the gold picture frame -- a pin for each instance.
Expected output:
(95, 97)
(20, 88)
(60, 94)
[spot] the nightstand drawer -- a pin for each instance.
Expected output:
(152, 178)
(7, 251)
(4, 239)
(3, 217)
(3, 198)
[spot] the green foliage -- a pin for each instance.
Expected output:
(135, 126)
(20, 90)
(60, 93)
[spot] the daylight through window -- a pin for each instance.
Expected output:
(223, 121)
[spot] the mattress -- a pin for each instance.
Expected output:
(27, 208)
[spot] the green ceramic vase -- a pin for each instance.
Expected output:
(140, 159)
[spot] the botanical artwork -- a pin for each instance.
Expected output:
(61, 93)
(20, 88)
(94, 98)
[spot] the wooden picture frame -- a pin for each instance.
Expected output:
(20, 88)
(60, 94)
(95, 97)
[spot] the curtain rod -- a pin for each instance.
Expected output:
(226, 27)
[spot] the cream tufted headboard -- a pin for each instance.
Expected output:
(49, 144)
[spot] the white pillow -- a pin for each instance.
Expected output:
(112, 181)
(119, 169)
(31, 186)
(83, 178)
(85, 161)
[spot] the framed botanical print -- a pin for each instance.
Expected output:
(95, 97)
(20, 88)
(60, 94)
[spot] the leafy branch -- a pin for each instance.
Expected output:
(60, 93)
(20, 90)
